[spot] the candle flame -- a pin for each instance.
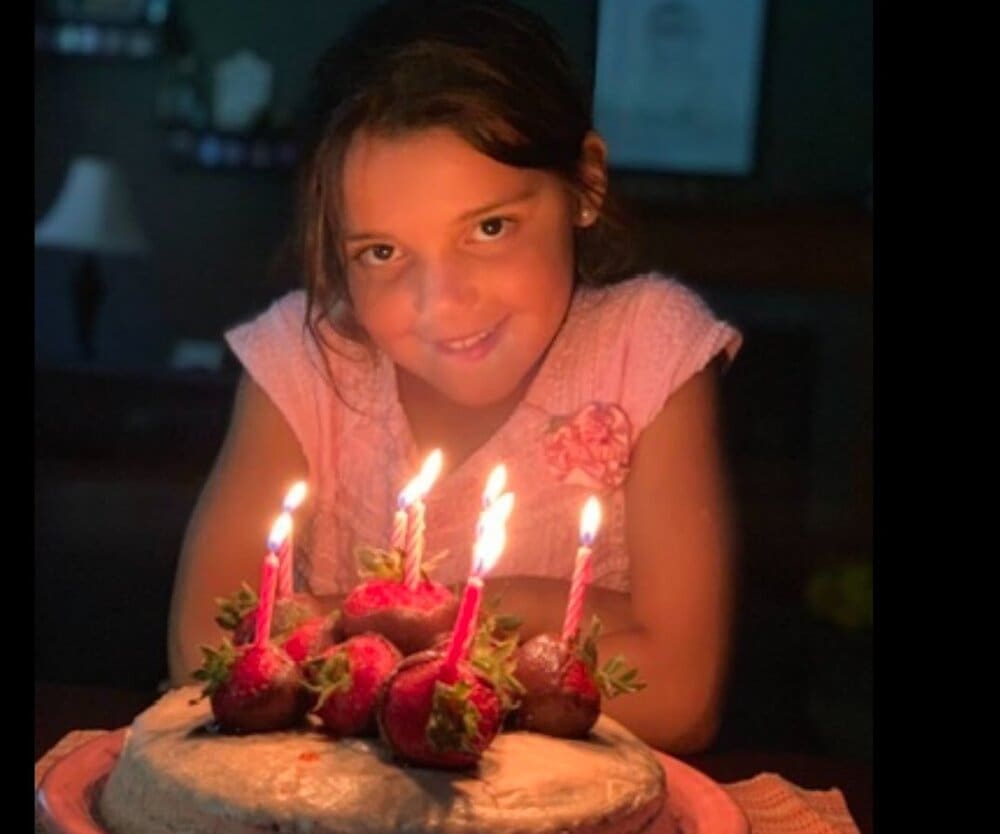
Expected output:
(491, 534)
(421, 484)
(488, 548)
(495, 484)
(429, 472)
(295, 496)
(499, 511)
(279, 532)
(590, 520)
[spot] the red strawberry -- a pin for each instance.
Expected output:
(560, 697)
(562, 685)
(310, 637)
(409, 618)
(347, 677)
(253, 689)
(288, 613)
(430, 718)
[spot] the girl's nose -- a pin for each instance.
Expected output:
(443, 284)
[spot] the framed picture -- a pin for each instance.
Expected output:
(677, 84)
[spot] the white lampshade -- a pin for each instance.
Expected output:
(93, 212)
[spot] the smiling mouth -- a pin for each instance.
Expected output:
(473, 346)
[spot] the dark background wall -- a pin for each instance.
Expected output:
(784, 252)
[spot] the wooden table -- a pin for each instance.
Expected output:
(60, 708)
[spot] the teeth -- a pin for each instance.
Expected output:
(462, 344)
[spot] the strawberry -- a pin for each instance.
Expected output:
(409, 618)
(252, 689)
(288, 613)
(434, 719)
(310, 637)
(347, 678)
(563, 686)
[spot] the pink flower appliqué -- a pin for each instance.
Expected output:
(590, 447)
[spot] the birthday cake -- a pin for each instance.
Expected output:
(175, 774)
(404, 711)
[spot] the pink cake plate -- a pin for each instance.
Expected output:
(66, 797)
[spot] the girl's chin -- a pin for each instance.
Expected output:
(473, 389)
(478, 396)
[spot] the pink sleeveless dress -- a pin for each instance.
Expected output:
(621, 352)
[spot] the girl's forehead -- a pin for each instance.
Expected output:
(432, 169)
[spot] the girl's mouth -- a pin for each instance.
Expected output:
(473, 347)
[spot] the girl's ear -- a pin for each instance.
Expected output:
(594, 176)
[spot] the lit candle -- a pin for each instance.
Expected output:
(490, 540)
(494, 486)
(590, 520)
(269, 578)
(415, 525)
(286, 558)
(398, 542)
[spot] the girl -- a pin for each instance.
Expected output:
(464, 291)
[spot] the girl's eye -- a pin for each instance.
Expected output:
(380, 253)
(491, 228)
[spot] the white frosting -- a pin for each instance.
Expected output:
(173, 776)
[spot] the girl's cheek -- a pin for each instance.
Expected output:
(381, 304)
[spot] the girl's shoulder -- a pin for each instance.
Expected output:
(316, 377)
(650, 295)
(281, 335)
(632, 344)
(649, 314)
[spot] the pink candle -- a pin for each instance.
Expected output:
(490, 539)
(590, 520)
(286, 558)
(413, 498)
(398, 541)
(465, 622)
(415, 529)
(269, 579)
(401, 518)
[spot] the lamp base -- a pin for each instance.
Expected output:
(88, 293)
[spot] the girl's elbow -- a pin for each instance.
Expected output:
(695, 724)
(699, 734)
(686, 737)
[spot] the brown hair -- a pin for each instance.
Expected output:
(489, 70)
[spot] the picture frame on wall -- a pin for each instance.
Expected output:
(677, 84)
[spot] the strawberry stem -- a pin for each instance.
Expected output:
(614, 678)
(454, 719)
(216, 666)
(234, 608)
(376, 563)
(326, 675)
(493, 654)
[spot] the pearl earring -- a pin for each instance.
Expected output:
(585, 215)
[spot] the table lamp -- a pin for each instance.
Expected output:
(93, 216)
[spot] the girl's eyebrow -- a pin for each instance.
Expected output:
(527, 194)
(506, 202)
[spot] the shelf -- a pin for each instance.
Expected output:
(98, 40)
(217, 151)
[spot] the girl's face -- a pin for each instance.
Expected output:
(459, 267)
